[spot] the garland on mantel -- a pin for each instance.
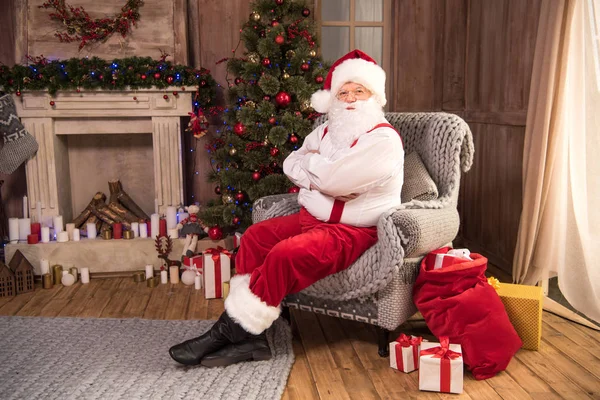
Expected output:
(80, 27)
(120, 74)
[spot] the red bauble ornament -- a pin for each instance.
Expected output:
(274, 23)
(272, 121)
(202, 83)
(266, 62)
(283, 99)
(217, 189)
(274, 151)
(306, 12)
(101, 77)
(52, 103)
(239, 129)
(293, 139)
(170, 79)
(274, 165)
(175, 93)
(319, 79)
(256, 176)
(143, 77)
(294, 189)
(157, 75)
(279, 39)
(18, 93)
(298, 114)
(305, 67)
(236, 220)
(215, 233)
(267, 97)
(279, 2)
(239, 196)
(183, 88)
(238, 81)
(262, 34)
(166, 97)
(78, 90)
(134, 98)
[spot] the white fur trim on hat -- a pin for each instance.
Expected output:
(357, 70)
(246, 308)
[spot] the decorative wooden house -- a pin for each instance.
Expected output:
(7, 281)
(23, 270)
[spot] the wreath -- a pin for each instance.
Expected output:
(80, 27)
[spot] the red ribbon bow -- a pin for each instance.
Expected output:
(445, 354)
(407, 341)
(215, 254)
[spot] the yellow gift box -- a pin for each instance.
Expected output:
(523, 305)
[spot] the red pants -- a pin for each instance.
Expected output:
(287, 254)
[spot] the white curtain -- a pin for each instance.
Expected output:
(559, 234)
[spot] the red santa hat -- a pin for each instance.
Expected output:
(356, 67)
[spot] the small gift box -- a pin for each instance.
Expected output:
(523, 305)
(453, 256)
(441, 367)
(193, 263)
(404, 353)
(217, 269)
(237, 237)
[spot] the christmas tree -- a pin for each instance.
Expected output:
(268, 113)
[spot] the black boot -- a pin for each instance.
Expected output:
(255, 348)
(225, 331)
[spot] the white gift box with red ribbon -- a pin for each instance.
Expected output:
(404, 353)
(452, 257)
(237, 237)
(217, 269)
(193, 263)
(441, 367)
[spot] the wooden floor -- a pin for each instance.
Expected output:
(337, 359)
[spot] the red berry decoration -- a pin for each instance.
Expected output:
(217, 189)
(274, 151)
(274, 23)
(256, 176)
(202, 83)
(236, 220)
(157, 75)
(143, 77)
(279, 39)
(239, 129)
(240, 196)
(166, 97)
(293, 139)
(266, 62)
(272, 121)
(18, 93)
(101, 77)
(52, 103)
(294, 189)
(215, 233)
(319, 79)
(306, 12)
(283, 99)
(267, 97)
(279, 2)
(170, 79)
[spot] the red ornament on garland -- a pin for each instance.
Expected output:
(236, 220)
(293, 139)
(52, 103)
(306, 12)
(266, 62)
(134, 98)
(101, 77)
(240, 196)
(202, 83)
(305, 67)
(218, 190)
(274, 151)
(18, 93)
(215, 233)
(157, 75)
(294, 189)
(239, 129)
(267, 97)
(170, 79)
(143, 77)
(279, 39)
(272, 121)
(166, 97)
(256, 176)
(283, 99)
(238, 81)
(319, 79)
(274, 23)
(175, 93)
(279, 2)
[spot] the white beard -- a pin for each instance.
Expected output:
(345, 126)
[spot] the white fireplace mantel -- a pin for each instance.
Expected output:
(48, 117)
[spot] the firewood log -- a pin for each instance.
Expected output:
(117, 192)
(98, 199)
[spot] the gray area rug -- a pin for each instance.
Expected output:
(100, 358)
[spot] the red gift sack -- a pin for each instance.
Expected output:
(457, 301)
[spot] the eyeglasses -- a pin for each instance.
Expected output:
(359, 93)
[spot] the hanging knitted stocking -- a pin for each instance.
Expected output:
(17, 144)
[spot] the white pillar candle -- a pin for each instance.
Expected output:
(149, 271)
(171, 217)
(76, 235)
(173, 233)
(45, 234)
(62, 237)
(24, 229)
(198, 282)
(85, 275)
(25, 209)
(174, 274)
(154, 225)
(13, 230)
(44, 266)
(91, 230)
(38, 210)
(69, 228)
(143, 230)
(57, 223)
(135, 228)
(164, 277)
(182, 215)
(155, 206)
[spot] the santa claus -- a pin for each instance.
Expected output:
(350, 171)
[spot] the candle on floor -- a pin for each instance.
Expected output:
(47, 281)
(57, 271)
(149, 271)
(38, 210)
(91, 230)
(198, 282)
(135, 228)
(73, 271)
(44, 266)
(171, 217)
(173, 233)
(25, 207)
(76, 235)
(174, 273)
(45, 234)
(164, 277)
(69, 228)
(143, 230)
(24, 229)
(62, 237)
(151, 282)
(13, 230)
(154, 224)
(85, 275)
(57, 222)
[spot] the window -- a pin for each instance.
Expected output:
(594, 13)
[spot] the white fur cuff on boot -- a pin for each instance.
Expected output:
(247, 309)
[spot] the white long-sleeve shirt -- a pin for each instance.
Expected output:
(373, 167)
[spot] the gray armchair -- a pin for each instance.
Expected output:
(377, 288)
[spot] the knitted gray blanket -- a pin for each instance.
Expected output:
(445, 144)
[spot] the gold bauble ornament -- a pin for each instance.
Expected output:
(305, 105)
(255, 16)
(266, 141)
(290, 54)
(285, 76)
(253, 58)
(232, 151)
(312, 53)
(227, 199)
(250, 104)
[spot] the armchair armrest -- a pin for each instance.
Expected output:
(276, 205)
(423, 230)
